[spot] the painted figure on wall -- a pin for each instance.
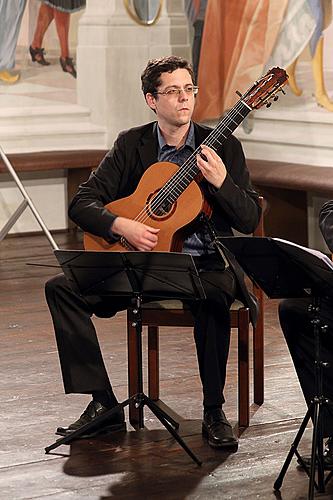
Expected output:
(242, 39)
(11, 13)
(320, 16)
(59, 11)
(195, 11)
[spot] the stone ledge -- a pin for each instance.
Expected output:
(291, 176)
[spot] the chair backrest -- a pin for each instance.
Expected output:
(260, 231)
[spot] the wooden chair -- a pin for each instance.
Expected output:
(172, 313)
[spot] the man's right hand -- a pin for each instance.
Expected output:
(140, 236)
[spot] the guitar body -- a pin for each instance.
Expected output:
(172, 219)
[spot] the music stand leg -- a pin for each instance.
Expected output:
(293, 449)
(87, 427)
(140, 399)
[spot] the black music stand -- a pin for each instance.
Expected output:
(286, 270)
(142, 277)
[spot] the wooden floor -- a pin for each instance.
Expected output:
(138, 464)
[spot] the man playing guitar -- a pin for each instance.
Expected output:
(169, 90)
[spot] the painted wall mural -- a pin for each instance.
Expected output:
(242, 39)
(11, 14)
(57, 12)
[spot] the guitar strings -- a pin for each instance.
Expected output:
(172, 185)
(191, 163)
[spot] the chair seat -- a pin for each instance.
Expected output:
(172, 304)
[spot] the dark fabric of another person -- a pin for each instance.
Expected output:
(297, 329)
(66, 5)
(235, 204)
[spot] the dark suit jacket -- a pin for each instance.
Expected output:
(235, 204)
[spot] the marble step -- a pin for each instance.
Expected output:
(36, 115)
(52, 136)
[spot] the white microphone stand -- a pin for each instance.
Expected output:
(27, 202)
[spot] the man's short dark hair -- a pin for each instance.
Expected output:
(151, 76)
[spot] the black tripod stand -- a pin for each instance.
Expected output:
(315, 412)
(283, 269)
(138, 275)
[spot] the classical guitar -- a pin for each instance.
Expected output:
(168, 197)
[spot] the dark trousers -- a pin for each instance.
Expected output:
(81, 360)
(296, 325)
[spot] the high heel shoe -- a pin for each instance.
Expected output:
(68, 66)
(37, 55)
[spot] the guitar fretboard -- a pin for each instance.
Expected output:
(177, 184)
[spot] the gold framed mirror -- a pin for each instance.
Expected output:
(144, 12)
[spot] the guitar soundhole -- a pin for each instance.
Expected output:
(159, 209)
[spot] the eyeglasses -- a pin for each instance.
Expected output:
(173, 92)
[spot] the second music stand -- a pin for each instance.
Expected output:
(142, 277)
(286, 270)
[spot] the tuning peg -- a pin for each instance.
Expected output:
(275, 98)
(268, 105)
(239, 93)
(283, 92)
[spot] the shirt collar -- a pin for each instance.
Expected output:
(189, 139)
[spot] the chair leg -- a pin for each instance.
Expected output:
(133, 383)
(243, 368)
(258, 357)
(153, 363)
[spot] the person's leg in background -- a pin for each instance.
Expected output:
(45, 17)
(11, 13)
(62, 20)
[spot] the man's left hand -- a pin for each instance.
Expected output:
(213, 169)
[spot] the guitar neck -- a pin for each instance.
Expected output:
(189, 170)
(227, 125)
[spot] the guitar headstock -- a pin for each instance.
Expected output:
(266, 88)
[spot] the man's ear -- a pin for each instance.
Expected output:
(150, 100)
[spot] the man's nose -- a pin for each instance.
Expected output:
(183, 96)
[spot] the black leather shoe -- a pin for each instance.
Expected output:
(116, 422)
(217, 430)
(328, 456)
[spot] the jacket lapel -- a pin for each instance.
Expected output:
(148, 147)
(200, 134)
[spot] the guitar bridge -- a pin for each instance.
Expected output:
(126, 244)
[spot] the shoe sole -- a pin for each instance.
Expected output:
(229, 446)
(110, 429)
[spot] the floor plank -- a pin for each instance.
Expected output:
(137, 464)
